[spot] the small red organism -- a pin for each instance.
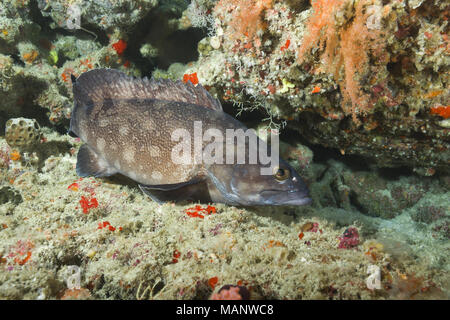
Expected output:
(310, 226)
(191, 77)
(76, 294)
(120, 46)
(316, 89)
(15, 155)
(301, 235)
(20, 249)
(200, 212)
(212, 282)
(126, 64)
(65, 75)
(87, 203)
(286, 45)
(349, 239)
(87, 63)
(248, 45)
(443, 111)
(271, 88)
(23, 261)
(106, 224)
(74, 187)
(231, 292)
(211, 209)
(176, 254)
(315, 227)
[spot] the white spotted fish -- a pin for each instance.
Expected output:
(127, 123)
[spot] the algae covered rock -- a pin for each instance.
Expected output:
(371, 192)
(365, 77)
(108, 14)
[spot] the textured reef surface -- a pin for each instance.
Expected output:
(357, 88)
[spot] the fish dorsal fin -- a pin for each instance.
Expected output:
(99, 84)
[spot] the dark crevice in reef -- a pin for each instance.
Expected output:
(298, 5)
(140, 35)
(394, 173)
(172, 45)
(181, 46)
(37, 17)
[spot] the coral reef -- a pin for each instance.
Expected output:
(366, 77)
(148, 251)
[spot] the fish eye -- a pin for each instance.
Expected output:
(281, 174)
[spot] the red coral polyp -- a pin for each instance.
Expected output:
(200, 212)
(120, 46)
(286, 45)
(443, 111)
(191, 77)
(87, 203)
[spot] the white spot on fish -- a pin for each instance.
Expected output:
(128, 154)
(103, 123)
(101, 143)
(156, 175)
(149, 124)
(154, 151)
(123, 130)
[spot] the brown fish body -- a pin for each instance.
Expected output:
(127, 125)
(140, 133)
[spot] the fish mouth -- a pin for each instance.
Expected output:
(285, 198)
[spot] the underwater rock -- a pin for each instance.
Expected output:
(365, 77)
(368, 191)
(10, 194)
(379, 197)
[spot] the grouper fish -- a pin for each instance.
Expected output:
(127, 127)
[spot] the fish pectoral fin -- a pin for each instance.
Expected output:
(196, 190)
(90, 163)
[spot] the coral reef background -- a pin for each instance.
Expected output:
(357, 88)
